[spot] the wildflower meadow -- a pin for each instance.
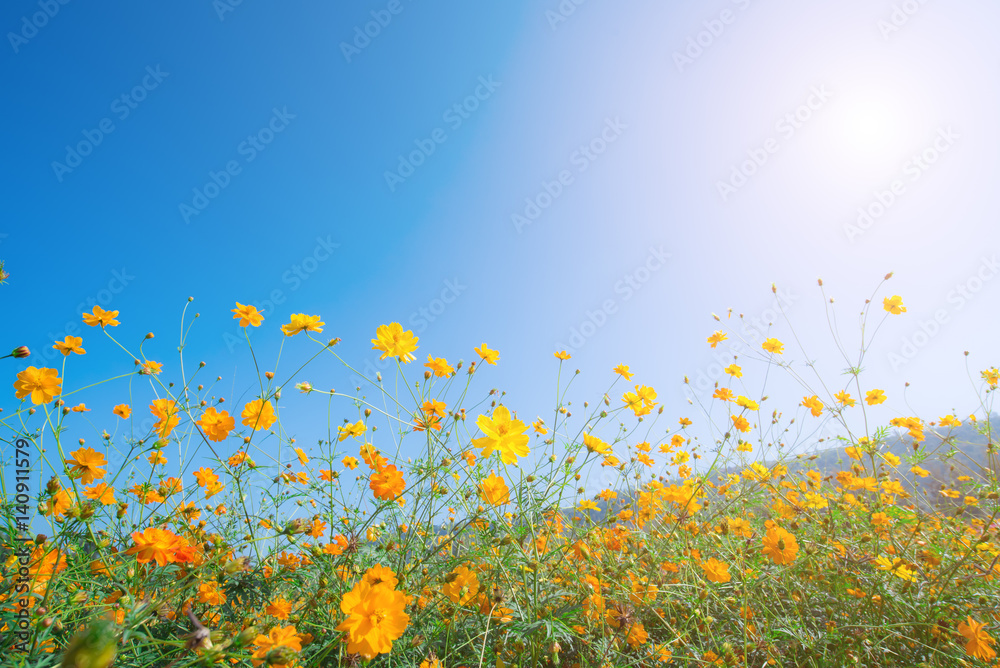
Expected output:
(433, 524)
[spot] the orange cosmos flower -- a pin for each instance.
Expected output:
(277, 639)
(814, 405)
(300, 322)
(280, 608)
(979, 643)
(166, 411)
(258, 415)
(70, 344)
(87, 462)
(494, 490)
(101, 493)
(247, 315)
(489, 356)
(122, 411)
(462, 586)
(716, 571)
(43, 385)
(779, 545)
(387, 483)
(375, 618)
(160, 545)
(874, 397)
(101, 317)
(216, 424)
(717, 337)
(439, 366)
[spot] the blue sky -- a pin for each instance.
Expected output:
(612, 174)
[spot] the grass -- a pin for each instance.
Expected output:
(221, 540)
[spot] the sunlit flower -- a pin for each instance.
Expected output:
(489, 356)
(87, 462)
(779, 545)
(216, 424)
(258, 415)
(42, 385)
(503, 434)
(375, 618)
(894, 305)
(814, 405)
(70, 344)
(161, 546)
(277, 639)
(122, 410)
(716, 571)
(979, 643)
(247, 315)
(462, 585)
(394, 342)
(773, 345)
(300, 322)
(101, 317)
(622, 370)
(717, 337)
(844, 398)
(439, 366)
(387, 483)
(874, 397)
(494, 490)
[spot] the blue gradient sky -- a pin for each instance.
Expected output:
(663, 132)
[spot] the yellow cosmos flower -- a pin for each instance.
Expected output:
(894, 305)
(503, 434)
(773, 345)
(300, 322)
(874, 397)
(487, 355)
(394, 342)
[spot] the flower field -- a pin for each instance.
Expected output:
(434, 525)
